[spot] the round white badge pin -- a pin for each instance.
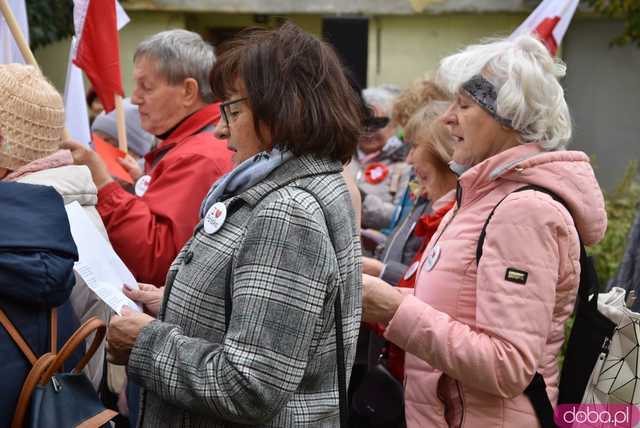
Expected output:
(432, 257)
(215, 217)
(142, 185)
(412, 270)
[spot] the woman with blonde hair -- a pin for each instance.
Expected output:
(486, 318)
(430, 154)
(395, 253)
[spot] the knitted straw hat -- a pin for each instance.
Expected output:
(31, 116)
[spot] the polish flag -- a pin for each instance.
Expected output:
(549, 22)
(75, 106)
(97, 51)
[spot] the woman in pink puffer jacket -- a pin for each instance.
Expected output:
(475, 335)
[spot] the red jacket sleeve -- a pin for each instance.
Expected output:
(147, 232)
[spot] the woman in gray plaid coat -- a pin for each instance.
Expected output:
(278, 235)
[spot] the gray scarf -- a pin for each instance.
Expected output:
(244, 176)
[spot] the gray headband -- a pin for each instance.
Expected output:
(485, 94)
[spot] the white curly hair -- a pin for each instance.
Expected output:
(526, 77)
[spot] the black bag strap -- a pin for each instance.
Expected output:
(587, 272)
(342, 371)
(337, 309)
(536, 391)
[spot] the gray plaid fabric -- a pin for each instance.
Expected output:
(276, 366)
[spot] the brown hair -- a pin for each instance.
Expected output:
(418, 94)
(426, 128)
(295, 86)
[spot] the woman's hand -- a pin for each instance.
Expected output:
(131, 166)
(149, 296)
(380, 301)
(122, 334)
(83, 155)
(372, 266)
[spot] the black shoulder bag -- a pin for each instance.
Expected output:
(590, 329)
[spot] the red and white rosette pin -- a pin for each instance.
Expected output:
(215, 217)
(375, 173)
(142, 185)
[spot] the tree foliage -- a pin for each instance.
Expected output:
(629, 10)
(49, 21)
(622, 208)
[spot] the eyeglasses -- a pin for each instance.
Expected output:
(373, 123)
(226, 111)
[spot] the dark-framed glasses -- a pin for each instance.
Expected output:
(375, 123)
(225, 108)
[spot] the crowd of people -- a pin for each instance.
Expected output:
(290, 230)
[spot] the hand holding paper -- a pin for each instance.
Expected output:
(149, 296)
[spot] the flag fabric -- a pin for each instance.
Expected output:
(97, 51)
(549, 22)
(9, 51)
(75, 106)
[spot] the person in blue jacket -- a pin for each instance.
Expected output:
(37, 253)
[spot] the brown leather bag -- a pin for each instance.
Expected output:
(47, 365)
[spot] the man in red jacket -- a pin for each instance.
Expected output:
(172, 92)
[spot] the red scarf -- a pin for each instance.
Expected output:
(426, 226)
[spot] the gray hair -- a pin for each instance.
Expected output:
(525, 77)
(381, 97)
(180, 54)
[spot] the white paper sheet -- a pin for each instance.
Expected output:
(100, 267)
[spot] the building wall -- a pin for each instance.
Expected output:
(53, 58)
(403, 48)
(200, 22)
(603, 91)
(602, 83)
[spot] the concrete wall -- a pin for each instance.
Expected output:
(373, 7)
(200, 22)
(603, 83)
(53, 58)
(603, 92)
(403, 48)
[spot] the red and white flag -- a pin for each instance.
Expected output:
(75, 106)
(97, 50)
(549, 22)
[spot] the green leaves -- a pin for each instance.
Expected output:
(627, 9)
(49, 21)
(622, 207)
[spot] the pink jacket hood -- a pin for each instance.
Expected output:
(567, 173)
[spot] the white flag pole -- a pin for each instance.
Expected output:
(120, 122)
(121, 20)
(21, 42)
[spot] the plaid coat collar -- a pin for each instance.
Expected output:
(292, 170)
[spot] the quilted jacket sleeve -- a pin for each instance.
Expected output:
(279, 293)
(502, 352)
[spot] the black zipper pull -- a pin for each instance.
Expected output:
(597, 369)
(458, 193)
